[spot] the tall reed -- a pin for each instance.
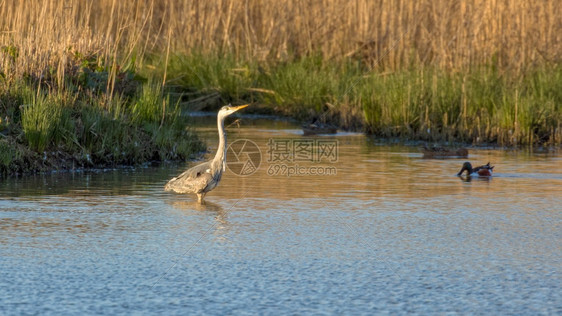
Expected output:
(385, 34)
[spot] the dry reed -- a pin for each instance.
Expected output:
(512, 34)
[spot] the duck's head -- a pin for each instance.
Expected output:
(465, 166)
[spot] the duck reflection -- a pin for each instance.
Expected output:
(470, 178)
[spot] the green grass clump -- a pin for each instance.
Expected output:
(45, 119)
(208, 73)
(7, 154)
(149, 106)
(304, 86)
(162, 121)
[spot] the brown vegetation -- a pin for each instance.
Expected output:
(512, 34)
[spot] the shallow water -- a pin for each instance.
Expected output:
(388, 233)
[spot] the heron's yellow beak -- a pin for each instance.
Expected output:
(240, 107)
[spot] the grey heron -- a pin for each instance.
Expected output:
(206, 176)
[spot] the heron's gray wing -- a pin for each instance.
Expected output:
(193, 180)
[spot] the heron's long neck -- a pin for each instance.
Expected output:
(220, 156)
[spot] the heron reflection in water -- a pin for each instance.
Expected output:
(206, 176)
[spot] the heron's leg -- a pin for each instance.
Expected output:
(200, 197)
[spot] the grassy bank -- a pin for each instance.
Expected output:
(478, 106)
(481, 105)
(43, 128)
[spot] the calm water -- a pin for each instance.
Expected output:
(389, 233)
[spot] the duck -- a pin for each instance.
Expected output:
(440, 152)
(482, 171)
(318, 125)
(315, 129)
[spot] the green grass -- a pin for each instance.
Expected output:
(305, 86)
(480, 105)
(45, 119)
(43, 128)
(7, 153)
(212, 73)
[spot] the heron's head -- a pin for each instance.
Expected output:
(229, 109)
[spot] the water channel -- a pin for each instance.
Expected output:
(341, 224)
